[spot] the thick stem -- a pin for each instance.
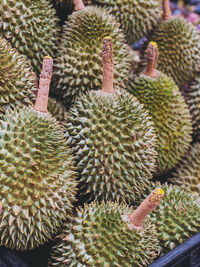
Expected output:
(150, 203)
(152, 58)
(44, 84)
(108, 66)
(166, 10)
(78, 5)
(35, 82)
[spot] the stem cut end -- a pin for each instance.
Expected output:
(44, 85)
(78, 5)
(108, 66)
(150, 203)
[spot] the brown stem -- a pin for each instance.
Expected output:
(150, 203)
(108, 66)
(35, 82)
(78, 5)
(0, 208)
(152, 58)
(166, 10)
(44, 84)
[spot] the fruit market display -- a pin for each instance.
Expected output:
(99, 149)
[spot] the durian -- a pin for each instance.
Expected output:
(30, 27)
(37, 174)
(192, 98)
(16, 80)
(137, 18)
(113, 139)
(187, 173)
(179, 47)
(166, 105)
(57, 110)
(78, 67)
(177, 218)
(108, 235)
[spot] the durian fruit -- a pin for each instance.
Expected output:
(166, 105)
(181, 38)
(177, 218)
(16, 80)
(108, 235)
(187, 173)
(78, 66)
(57, 110)
(192, 98)
(30, 27)
(137, 18)
(113, 139)
(37, 174)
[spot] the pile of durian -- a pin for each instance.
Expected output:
(108, 166)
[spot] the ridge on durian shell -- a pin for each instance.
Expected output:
(31, 28)
(78, 67)
(98, 235)
(57, 110)
(166, 106)
(192, 98)
(179, 49)
(136, 18)
(187, 173)
(177, 218)
(114, 143)
(37, 174)
(16, 81)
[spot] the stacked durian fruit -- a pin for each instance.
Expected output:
(107, 166)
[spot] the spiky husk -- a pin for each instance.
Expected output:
(114, 141)
(187, 174)
(100, 235)
(166, 105)
(16, 81)
(78, 67)
(30, 27)
(37, 179)
(137, 18)
(177, 218)
(179, 49)
(192, 97)
(57, 110)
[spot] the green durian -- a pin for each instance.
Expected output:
(179, 49)
(137, 18)
(78, 67)
(38, 179)
(113, 139)
(101, 235)
(16, 81)
(187, 173)
(57, 110)
(166, 106)
(30, 27)
(192, 98)
(177, 218)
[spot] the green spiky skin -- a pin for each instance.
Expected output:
(114, 141)
(166, 105)
(78, 67)
(192, 97)
(16, 81)
(179, 49)
(30, 27)
(187, 174)
(37, 179)
(177, 218)
(57, 110)
(99, 236)
(137, 18)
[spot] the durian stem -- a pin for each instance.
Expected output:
(44, 84)
(78, 5)
(150, 203)
(152, 58)
(35, 82)
(166, 10)
(108, 66)
(0, 208)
